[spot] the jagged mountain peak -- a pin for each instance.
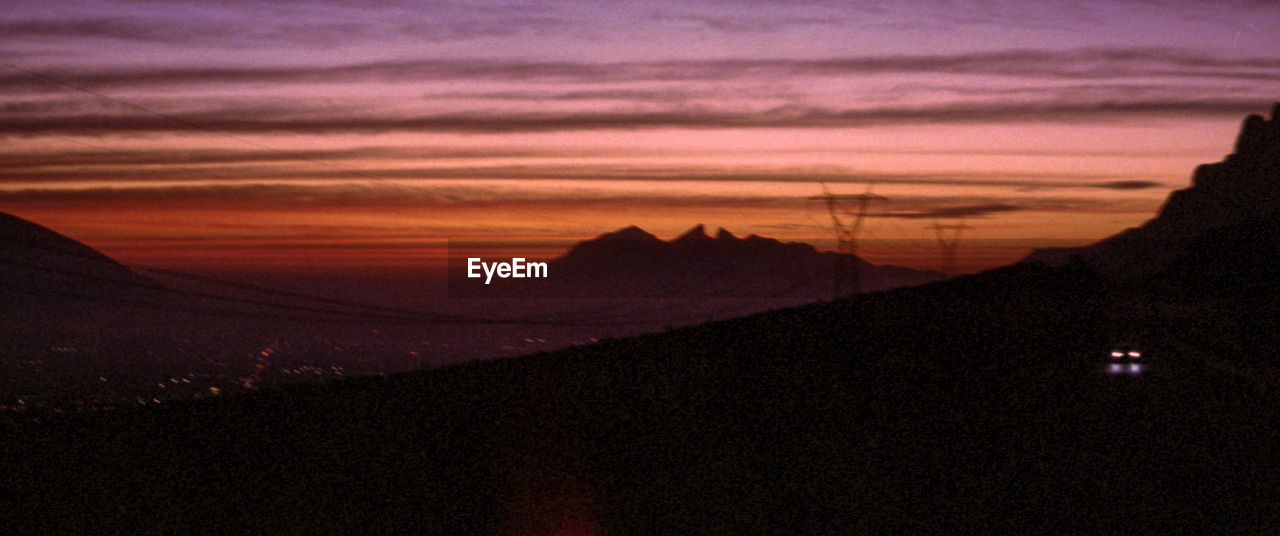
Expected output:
(695, 264)
(628, 233)
(1259, 136)
(1244, 186)
(696, 233)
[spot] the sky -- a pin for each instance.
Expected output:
(283, 135)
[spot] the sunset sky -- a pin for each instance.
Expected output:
(264, 134)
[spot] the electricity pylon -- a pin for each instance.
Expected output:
(948, 243)
(847, 212)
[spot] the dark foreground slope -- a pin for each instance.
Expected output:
(977, 405)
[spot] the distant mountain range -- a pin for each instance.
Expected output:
(631, 262)
(1243, 187)
(38, 263)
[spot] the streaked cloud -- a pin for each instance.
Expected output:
(293, 196)
(239, 122)
(962, 211)
(1042, 64)
(749, 23)
(1129, 185)
(241, 25)
(87, 158)
(121, 28)
(411, 165)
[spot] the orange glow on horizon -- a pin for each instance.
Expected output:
(1025, 185)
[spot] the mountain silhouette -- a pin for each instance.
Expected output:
(631, 262)
(1244, 186)
(37, 263)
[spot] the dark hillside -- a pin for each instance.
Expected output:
(1244, 186)
(976, 405)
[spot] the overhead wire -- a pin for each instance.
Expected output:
(370, 311)
(363, 311)
(238, 139)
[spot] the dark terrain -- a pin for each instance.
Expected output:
(978, 404)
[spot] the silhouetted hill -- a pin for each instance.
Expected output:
(1244, 186)
(977, 405)
(631, 262)
(39, 264)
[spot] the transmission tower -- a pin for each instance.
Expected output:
(847, 212)
(948, 243)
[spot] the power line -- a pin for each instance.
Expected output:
(155, 287)
(286, 155)
(373, 311)
(195, 126)
(949, 243)
(362, 311)
(854, 207)
(383, 313)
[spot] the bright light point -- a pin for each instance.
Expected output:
(1135, 369)
(1117, 354)
(1135, 354)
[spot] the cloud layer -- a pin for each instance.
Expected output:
(1087, 85)
(574, 116)
(1075, 64)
